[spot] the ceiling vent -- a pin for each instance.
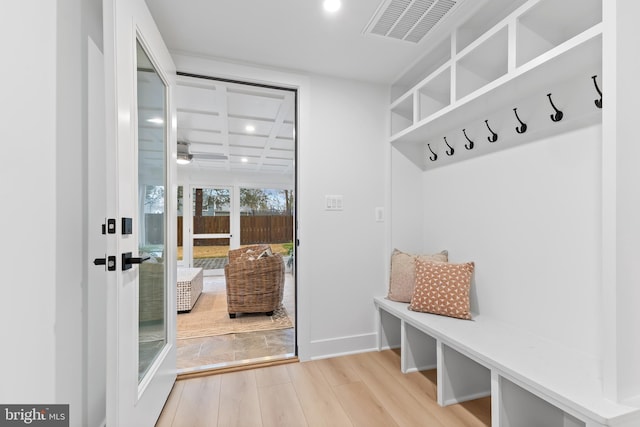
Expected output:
(189, 151)
(409, 20)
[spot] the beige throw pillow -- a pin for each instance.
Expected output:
(266, 253)
(443, 288)
(403, 273)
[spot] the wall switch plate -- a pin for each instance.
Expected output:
(333, 203)
(379, 214)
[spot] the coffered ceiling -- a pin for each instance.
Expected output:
(236, 127)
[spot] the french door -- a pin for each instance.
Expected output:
(209, 220)
(140, 205)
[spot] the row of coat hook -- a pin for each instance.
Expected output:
(522, 128)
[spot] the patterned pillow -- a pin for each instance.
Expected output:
(442, 288)
(403, 273)
(267, 252)
(248, 255)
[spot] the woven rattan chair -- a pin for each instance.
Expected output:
(254, 285)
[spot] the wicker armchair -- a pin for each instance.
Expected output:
(253, 285)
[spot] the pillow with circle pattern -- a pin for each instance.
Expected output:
(403, 273)
(443, 288)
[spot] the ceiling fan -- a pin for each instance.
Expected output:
(185, 155)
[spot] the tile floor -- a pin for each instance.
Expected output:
(237, 349)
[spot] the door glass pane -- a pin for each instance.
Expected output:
(210, 254)
(152, 325)
(266, 216)
(211, 227)
(180, 222)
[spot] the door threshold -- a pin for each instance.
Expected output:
(239, 365)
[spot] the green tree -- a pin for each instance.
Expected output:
(212, 198)
(288, 200)
(254, 198)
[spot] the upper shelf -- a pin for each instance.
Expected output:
(524, 56)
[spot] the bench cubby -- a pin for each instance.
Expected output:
(419, 351)
(520, 408)
(532, 381)
(460, 378)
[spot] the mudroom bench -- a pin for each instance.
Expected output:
(532, 381)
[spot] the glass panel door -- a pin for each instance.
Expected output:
(266, 216)
(211, 228)
(152, 325)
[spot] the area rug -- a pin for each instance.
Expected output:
(209, 317)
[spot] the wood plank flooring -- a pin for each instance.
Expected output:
(365, 389)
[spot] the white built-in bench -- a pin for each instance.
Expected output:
(532, 381)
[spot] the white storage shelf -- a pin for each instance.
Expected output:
(482, 65)
(402, 114)
(546, 26)
(532, 381)
(435, 94)
(528, 52)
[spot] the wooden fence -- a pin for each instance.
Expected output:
(253, 229)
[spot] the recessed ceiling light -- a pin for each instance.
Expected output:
(244, 160)
(156, 120)
(184, 158)
(332, 5)
(250, 128)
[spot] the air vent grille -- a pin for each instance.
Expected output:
(409, 20)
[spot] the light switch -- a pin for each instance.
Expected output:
(379, 214)
(333, 203)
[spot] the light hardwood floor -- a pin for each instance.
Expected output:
(365, 389)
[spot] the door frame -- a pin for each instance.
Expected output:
(300, 85)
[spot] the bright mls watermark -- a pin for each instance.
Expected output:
(34, 415)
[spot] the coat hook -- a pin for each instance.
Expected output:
(470, 145)
(435, 156)
(523, 126)
(558, 114)
(494, 136)
(450, 151)
(598, 102)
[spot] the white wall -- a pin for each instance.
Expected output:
(406, 205)
(28, 291)
(343, 254)
(45, 263)
(621, 210)
(342, 150)
(530, 218)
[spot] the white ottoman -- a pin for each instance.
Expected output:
(189, 287)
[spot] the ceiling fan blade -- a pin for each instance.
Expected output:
(209, 156)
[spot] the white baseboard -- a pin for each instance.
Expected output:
(421, 368)
(466, 398)
(389, 347)
(342, 346)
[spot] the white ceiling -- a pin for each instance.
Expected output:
(214, 118)
(292, 34)
(288, 34)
